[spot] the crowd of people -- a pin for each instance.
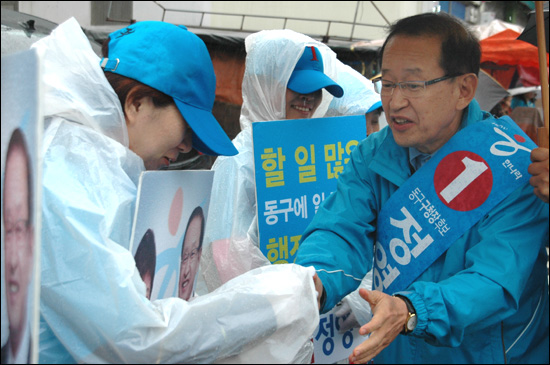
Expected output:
(483, 298)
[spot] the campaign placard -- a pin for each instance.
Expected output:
(22, 125)
(168, 229)
(297, 164)
(330, 345)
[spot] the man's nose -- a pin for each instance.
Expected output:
(397, 100)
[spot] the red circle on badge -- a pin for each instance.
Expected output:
(463, 180)
(519, 138)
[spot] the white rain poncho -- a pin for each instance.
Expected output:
(271, 57)
(359, 95)
(93, 305)
(270, 60)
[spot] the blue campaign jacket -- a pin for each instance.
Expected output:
(485, 300)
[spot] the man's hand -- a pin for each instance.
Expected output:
(389, 316)
(539, 169)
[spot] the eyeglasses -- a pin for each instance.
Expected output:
(191, 256)
(410, 89)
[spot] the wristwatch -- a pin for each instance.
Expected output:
(410, 323)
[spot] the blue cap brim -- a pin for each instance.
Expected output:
(375, 106)
(208, 136)
(309, 81)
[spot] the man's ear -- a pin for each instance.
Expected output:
(468, 87)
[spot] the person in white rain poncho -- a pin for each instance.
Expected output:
(287, 75)
(96, 143)
(359, 98)
(359, 94)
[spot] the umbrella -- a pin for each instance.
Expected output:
(489, 91)
(483, 31)
(504, 49)
(502, 55)
(529, 33)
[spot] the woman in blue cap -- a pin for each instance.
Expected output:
(287, 75)
(107, 121)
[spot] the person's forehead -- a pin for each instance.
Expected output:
(19, 153)
(412, 55)
(197, 220)
(16, 170)
(195, 227)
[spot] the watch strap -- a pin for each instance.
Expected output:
(412, 312)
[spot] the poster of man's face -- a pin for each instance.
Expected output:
(18, 245)
(170, 223)
(22, 127)
(191, 254)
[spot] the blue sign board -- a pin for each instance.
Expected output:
(297, 164)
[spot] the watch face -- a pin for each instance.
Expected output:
(411, 323)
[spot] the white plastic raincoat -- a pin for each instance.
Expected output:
(271, 58)
(93, 304)
(234, 199)
(264, 87)
(359, 95)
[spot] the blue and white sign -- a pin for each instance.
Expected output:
(297, 164)
(331, 345)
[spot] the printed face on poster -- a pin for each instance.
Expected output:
(168, 230)
(21, 143)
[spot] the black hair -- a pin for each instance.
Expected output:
(146, 255)
(460, 49)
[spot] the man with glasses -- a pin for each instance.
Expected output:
(191, 253)
(18, 242)
(483, 298)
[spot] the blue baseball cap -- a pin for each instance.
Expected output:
(309, 76)
(374, 106)
(171, 59)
